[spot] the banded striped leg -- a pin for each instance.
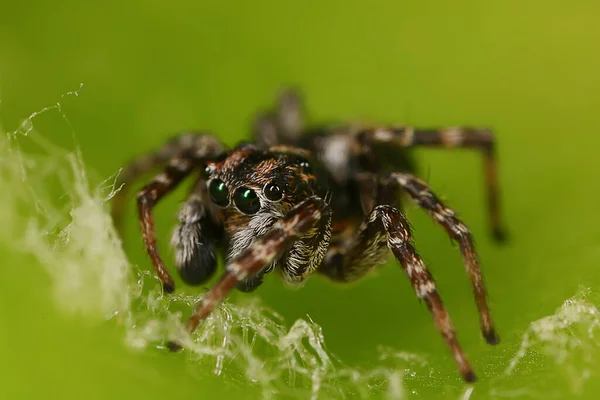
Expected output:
(147, 198)
(261, 253)
(177, 169)
(387, 228)
(282, 125)
(422, 194)
(147, 163)
(456, 137)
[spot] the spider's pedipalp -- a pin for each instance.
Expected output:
(451, 137)
(306, 254)
(195, 238)
(260, 254)
(422, 194)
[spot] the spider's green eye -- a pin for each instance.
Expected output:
(246, 200)
(273, 192)
(219, 193)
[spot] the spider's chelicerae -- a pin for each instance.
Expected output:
(304, 200)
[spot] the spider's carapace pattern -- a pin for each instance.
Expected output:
(308, 199)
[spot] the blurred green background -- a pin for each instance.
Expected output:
(528, 69)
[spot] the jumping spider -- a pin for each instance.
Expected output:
(302, 200)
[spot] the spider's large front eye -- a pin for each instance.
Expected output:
(246, 200)
(219, 193)
(273, 192)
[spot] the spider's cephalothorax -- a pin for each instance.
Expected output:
(253, 188)
(301, 200)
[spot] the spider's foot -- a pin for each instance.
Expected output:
(499, 235)
(168, 286)
(469, 376)
(491, 337)
(173, 346)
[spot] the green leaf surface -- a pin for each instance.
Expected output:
(82, 317)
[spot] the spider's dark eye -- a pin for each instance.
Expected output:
(246, 200)
(218, 192)
(273, 192)
(306, 166)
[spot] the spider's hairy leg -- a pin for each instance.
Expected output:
(196, 237)
(387, 228)
(284, 124)
(263, 250)
(307, 253)
(147, 198)
(452, 137)
(301, 259)
(290, 112)
(145, 164)
(422, 194)
(176, 170)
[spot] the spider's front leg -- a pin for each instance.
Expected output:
(387, 228)
(186, 142)
(263, 251)
(177, 169)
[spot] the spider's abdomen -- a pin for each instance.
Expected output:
(344, 161)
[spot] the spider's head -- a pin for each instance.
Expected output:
(252, 188)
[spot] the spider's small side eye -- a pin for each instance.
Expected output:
(246, 200)
(306, 166)
(273, 192)
(219, 193)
